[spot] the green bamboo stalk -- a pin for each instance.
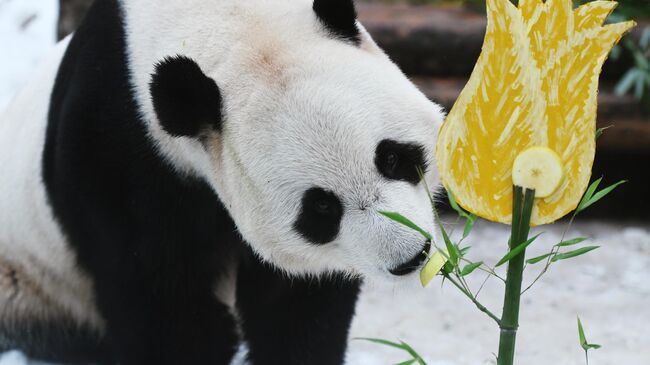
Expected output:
(522, 207)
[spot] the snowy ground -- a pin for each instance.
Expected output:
(609, 288)
(27, 29)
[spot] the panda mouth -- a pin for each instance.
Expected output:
(412, 264)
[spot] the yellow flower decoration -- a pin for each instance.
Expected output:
(534, 85)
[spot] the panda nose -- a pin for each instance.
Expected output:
(412, 264)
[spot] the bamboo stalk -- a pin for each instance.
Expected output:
(522, 207)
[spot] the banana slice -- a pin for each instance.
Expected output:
(538, 168)
(432, 268)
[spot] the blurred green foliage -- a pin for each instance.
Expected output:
(637, 79)
(627, 9)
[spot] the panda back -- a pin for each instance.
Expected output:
(30, 238)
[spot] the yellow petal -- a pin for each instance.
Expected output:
(571, 88)
(499, 113)
(593, 14)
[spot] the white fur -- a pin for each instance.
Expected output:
(302, 109)
(32, 247)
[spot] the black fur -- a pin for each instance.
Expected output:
(320, 216)
(186, 101)
(303, 322)
(400, 161)
(339, 17)
(414, 263)
(155, 243)
(58, 340)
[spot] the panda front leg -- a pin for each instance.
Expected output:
(293, 320)
(165, 316)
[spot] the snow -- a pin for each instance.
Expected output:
(609, 288)
(27, 31)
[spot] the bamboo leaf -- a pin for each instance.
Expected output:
(454, 204)
(601, 131)
(470, 218)
(405, 221)
(413, 353)
(574, 253)
(588, 194)
(448, 268)
(601, 194)
(382, 342)
(426, 187)
(581, 334)
(407, 362)
(469, 224)
(463, 251)
(572, 242)
(537, 259)
(583, 339)
(469, 268)
(452, 250)
(517, 250)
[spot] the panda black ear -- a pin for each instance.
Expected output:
(339, 17)
(186, 101)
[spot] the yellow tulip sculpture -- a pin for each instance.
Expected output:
(535, 86)
(519, 144)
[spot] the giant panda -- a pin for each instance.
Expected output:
(187, 181)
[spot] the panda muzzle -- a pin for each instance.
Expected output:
(412, 264)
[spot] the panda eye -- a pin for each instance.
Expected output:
(400, 161)
(390, 161)
(320, 216)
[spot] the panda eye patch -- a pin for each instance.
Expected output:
(320, 216)
(400, 161)
(390, 162)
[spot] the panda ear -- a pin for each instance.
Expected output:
(339, 17)
(186, 101)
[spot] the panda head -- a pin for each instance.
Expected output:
(306, 138)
